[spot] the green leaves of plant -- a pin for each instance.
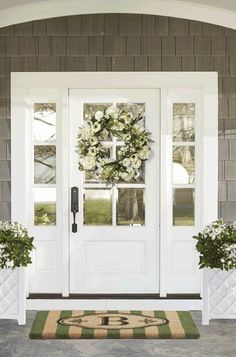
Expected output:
(217, 246)
(15, 251)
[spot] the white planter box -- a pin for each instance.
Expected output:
(219, 295)
(13, 295)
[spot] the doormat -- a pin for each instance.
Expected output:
(113, 324)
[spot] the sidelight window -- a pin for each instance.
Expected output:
(44, 135)
(183, 164)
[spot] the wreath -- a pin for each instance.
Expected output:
(93, 145)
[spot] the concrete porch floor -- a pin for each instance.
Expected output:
(217, 340)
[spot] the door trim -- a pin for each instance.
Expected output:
(20, 143)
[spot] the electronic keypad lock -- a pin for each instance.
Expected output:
(74, 206)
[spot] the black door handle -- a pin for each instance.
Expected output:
(74, 206)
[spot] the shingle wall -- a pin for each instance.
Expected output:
(129, 42)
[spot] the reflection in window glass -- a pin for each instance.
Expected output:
(183, 122)
(130, 206)
(44, 164)
(183, 206)
(97, 207)
(44, 124)
(183, 164)
(44, 206)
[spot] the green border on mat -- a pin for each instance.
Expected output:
(188, 324)
(38, 324)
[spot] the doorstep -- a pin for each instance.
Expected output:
(114, 302)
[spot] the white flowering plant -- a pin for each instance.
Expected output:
(15, 245)
(100, 128)
(217, 246)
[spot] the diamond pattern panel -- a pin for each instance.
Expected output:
(222, 292)
(9, 291)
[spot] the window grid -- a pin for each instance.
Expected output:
(113, 144)
(186, 190)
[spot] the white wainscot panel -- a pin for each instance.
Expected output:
(46, 256)
(183, 257)
(115, 257)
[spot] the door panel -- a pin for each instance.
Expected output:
(116, 248)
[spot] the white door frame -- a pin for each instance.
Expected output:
(20, 84)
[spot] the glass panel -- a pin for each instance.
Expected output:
(183, 122)
(44, 124)
(130, 207)
(183, 206)
(44, 206)
(97, 207)
(183, 164)
(44, 164)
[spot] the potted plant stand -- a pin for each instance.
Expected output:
(216, 245)
(15, 248)
(219, 294)
(13, 294)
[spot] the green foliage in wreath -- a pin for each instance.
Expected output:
(93, 145)
(217, 246)
(15, 245)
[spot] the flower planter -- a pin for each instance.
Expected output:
(219, 295)
(13, 295)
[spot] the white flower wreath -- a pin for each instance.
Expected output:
(92, 150)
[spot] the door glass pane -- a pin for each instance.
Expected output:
(183, 206)
(183, 122)
(44, 206)
(183, 164)
(44, 164)
(97, 207)
(130, 206)
(44, 123)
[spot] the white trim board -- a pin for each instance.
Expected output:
(172, 8)
(89, 80)
(67, 304)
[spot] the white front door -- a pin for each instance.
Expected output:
(116, 247)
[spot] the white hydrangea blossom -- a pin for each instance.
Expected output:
(112, 111)
(89, 162)
(98, 115)
(218, 237)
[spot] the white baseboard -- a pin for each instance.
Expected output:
(112, 304)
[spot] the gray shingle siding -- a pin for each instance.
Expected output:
(124, 42)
